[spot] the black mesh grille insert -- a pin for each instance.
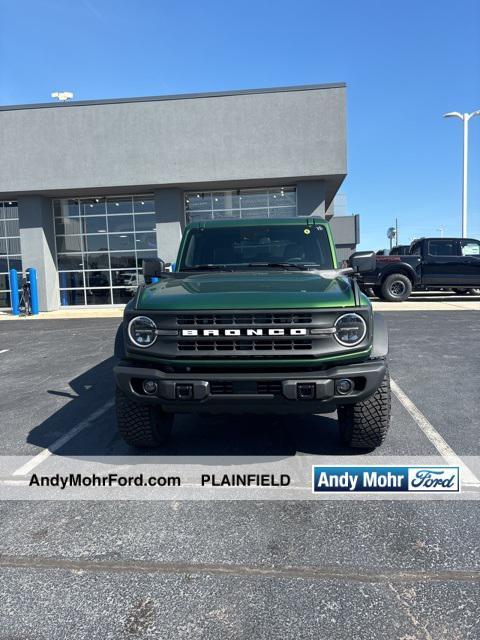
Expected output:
(244, 345)
(265, 387)
(270, 386)
(219, 387)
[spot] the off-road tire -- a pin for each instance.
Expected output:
(364, 425)
(142, 426)
(396, 287)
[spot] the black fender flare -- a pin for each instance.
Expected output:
(380, 336)
(402, 268)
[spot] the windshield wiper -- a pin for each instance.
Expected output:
(283, 265)
(208, 267)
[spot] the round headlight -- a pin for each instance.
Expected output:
(142, 331)
(350, 329)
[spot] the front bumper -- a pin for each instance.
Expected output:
(250, 392)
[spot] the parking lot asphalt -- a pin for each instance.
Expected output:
(363, 569)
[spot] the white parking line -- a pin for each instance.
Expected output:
(4, 350)
(443, 448)
(45, 453)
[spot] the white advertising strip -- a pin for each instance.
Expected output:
(443, 448)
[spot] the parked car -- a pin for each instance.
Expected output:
(256, 318)
(431, 264)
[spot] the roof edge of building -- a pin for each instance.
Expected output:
(178, 96)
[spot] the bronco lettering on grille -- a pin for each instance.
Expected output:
(244, 332)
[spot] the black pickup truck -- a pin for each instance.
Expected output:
(432, 263)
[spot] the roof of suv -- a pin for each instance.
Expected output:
(255, 222)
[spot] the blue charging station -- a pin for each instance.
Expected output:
(32, 278)
(14, 297)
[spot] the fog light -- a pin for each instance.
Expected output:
(184, 391)
(344, 386)
(150, 387)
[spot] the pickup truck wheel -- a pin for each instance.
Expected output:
(140, 425)
(396, 287)
(364, 425)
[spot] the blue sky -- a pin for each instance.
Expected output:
(405, 63)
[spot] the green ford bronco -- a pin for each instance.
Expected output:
(256, 317)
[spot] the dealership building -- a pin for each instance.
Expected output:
(90, 188)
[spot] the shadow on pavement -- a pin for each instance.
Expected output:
(270, 436)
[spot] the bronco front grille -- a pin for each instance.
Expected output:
(244, 318)
(244, 345)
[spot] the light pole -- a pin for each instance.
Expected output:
(465, 117)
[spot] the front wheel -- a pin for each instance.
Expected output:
(142, 426)
(396, 287)
(364, 425)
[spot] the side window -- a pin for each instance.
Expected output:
(416, 250)
(442, 248)
(470, 247)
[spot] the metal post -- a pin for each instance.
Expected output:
(14, 298)
(32, 278)
(466, 118)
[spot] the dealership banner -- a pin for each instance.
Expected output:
(261, 477)
(375, 478)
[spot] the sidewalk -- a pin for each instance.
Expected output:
(423, 303)
(70, 313)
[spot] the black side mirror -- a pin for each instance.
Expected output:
(363, 261)
(152, 268)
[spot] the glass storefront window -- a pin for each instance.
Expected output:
(274, 202)
(121, 241)
(92, 206)
(10, 257)
(95, 242)
(101, 243)
(143, 255)
(70, 262)
(97, 278)
(97, 261)
(122, 259)
(69, 244)
(70, 279)
(120, 223)
(15, 262)
(146, 241)
(145, 223)
(122, 296)
(143, 204)
(95, 224)
(198, 201)
(119, 205)
(71, 297)
(98, 296)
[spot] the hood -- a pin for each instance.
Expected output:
(248, 290)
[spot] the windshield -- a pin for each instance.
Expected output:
(246, 247)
